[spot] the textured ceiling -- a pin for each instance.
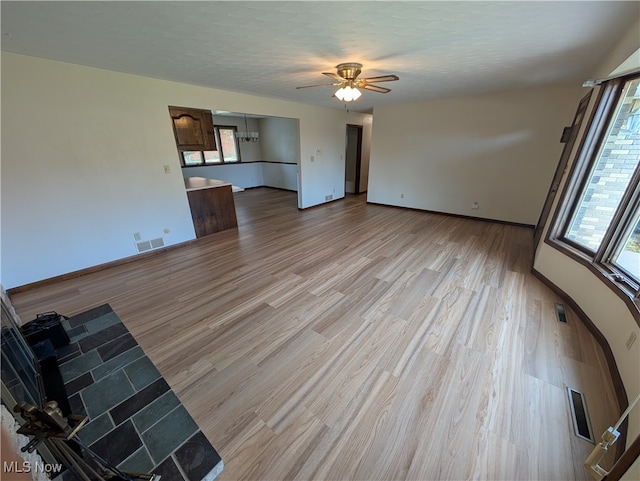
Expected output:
(265, 48)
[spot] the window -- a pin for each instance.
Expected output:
(598, 221)
(228, 142)
(228, 149)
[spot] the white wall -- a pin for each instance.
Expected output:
(249, 151)
(279, 140)
(367, 124)
(252, 174)
(279, 175)
(607, 311)
(499, 150)
(83, 151)
(242, 174)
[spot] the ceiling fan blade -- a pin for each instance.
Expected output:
(375, 88)
(381, 78)
(333, 76)
(319, 85)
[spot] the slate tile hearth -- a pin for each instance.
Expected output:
(136, 421)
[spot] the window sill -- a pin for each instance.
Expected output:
(211, 164)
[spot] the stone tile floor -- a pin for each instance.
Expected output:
(136, 422)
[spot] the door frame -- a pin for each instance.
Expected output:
(358, 156)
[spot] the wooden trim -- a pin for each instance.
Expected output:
(621, 393)
(270, 187)
(579, 164)
(242, 162)
(462, 216)
(600, 273)
(576, 124)
(109, 265)
(235, 140)
(321, 204)
(238, 303)
(97, 268)
(586, 157)
(624, 462)
(578, 177)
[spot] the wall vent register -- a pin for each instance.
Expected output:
(561, 313)
(148, 245)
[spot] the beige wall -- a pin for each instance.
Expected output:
(367, 130)
(279, 142)
(83, 155)
(249, 151)
(607, 311)
(499, 150)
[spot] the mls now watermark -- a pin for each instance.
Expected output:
(29, 467)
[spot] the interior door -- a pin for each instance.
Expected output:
(562, 165)
(353, 159)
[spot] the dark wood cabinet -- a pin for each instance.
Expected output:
(193, 129)
(212, 209)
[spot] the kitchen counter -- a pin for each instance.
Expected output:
(212, 206)
(198, 183)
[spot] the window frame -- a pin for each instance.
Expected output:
(586, 156)
(234, 129)
(203, 162)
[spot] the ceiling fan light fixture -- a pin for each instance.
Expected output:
(346, 77)
(348, 94)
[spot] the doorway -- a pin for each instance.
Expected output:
(353, 159)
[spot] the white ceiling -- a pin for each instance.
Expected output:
(438, 49)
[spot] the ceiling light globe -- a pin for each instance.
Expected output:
(348, 94)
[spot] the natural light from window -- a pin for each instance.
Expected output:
(611, 175)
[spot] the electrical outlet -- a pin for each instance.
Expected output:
(167, 169)
(632, 338)
(402, 196)
(475, 206)
(313, 158)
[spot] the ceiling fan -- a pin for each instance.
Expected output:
(346, 77)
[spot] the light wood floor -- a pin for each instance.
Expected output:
(354, 341)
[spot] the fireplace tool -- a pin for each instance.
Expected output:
(47, 425)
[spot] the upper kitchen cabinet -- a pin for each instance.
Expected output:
(193, 128)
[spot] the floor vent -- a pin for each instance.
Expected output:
(561, 314)
(580, 416)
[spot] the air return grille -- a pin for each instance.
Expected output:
(155, 243)
(561, 314)
(580, 416)
(148, 245)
